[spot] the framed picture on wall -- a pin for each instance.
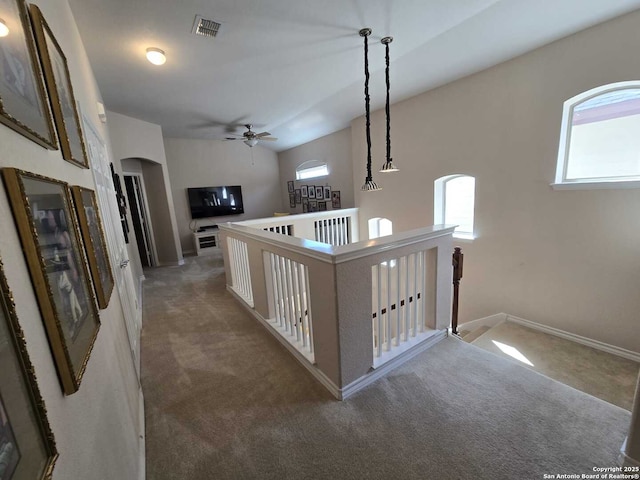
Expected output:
(312, 191)
(48, 229)
(27, 445)
(292, 200)
(94, 243)
(313, 206)
(322, 206)
(304, 191)
(335, 199)
(305, 205)
(319, 193)
(60, 90)
(24, 105)
(290, 186)
(327, 193)
(298, 196)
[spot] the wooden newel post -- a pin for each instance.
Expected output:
(458, 258)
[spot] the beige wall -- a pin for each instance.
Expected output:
(137, 139)
(335, 150)
(567, 259)
(204, 163)
(96, 428)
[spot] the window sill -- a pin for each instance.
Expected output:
(465, 237)
(597, 185)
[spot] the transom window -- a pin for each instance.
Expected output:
(600, 140)
(312, 169)
(454, 202)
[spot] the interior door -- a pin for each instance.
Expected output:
(139, 217)
(116, 245)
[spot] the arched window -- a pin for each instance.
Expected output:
(454, 201)
(312, 169)
(599, 140)
(380, 227)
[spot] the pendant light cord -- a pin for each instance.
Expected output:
(366, 105)
(387, 109)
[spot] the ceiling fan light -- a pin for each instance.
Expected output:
(156, 56)
(4, 30)
(389, 167)
(252, 142)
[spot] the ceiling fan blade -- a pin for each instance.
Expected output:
(268, 139)
(233, 138)
(263, 134)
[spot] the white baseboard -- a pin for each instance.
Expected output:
(621, 352)
(384, 369)
(357, 385)
(490, 321)
(625, 460)
(318, 374)
(142, 466)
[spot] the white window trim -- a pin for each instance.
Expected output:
(440, 205)
(561, 182)
(308, 165)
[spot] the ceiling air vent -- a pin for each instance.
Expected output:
(207, 28)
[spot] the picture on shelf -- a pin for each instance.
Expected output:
(335, 199)
(319, 192)
(298, 196)
(304, 191)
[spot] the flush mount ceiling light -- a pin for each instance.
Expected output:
(4, 30)
(369, 184)
(156, 56)
(388, 165)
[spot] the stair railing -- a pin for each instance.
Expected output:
(457, 261)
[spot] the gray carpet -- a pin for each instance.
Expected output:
(592, 371)
(224, 400)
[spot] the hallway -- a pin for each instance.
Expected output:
(225, 400)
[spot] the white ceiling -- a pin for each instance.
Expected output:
(296, 67)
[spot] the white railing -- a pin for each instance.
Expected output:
(345, 312)
(290, 296)
(403, 311)
(335, 227)
(240, 270)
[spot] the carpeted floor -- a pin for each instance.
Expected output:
(224, 400)
(601, 374)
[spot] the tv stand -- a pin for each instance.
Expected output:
(206, 242)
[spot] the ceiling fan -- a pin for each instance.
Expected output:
(251, 138)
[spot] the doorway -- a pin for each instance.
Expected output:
(134, 185)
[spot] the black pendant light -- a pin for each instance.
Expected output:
(388, 165)
(369, 184)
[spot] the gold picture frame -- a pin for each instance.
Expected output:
(94, 243)
(24, 105)
(48, 229)
(58, 81)
(26, 440)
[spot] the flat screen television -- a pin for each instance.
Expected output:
(215, 201)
